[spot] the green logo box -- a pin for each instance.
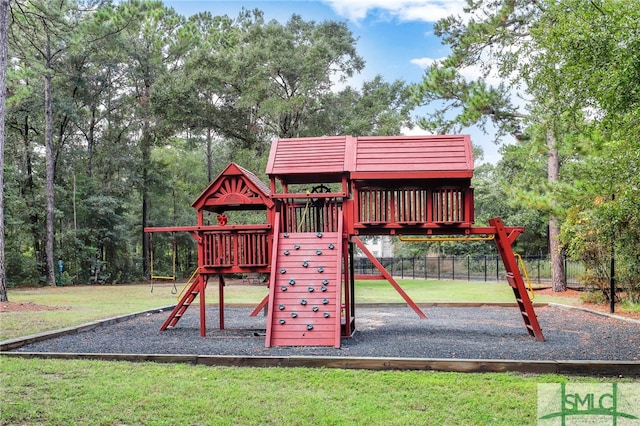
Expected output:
(573, 404)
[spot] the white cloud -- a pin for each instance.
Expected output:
(471, 73)
(404, 10)
(425, 62)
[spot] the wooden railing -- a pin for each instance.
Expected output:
(235, 248)
(378, 206)
(321, 216)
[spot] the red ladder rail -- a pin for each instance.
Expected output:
(514, 277)
(196, 288)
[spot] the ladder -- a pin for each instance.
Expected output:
(514, 278)
(196, 288)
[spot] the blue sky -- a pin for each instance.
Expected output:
(395, 37)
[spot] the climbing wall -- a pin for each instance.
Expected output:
(305, 290)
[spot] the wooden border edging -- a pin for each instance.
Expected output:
(567, 367)
(11, 344)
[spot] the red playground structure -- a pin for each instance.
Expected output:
(323, 194)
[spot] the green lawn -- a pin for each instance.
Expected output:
(64, 392)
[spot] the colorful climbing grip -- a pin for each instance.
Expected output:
(281, 307)
(325, 282)
(323, 289)
(321, 269)
(318, 252)
(310, 289)
(319, 235)
(326, 315)
(309, 326)
(286, 252)
(282, 321)
(305, 264)
(292, 282)
(296, 247)
(331, 246)
(286, 235)
(325, 301)
(294, 314)
(303, 302)
(314, 309)
(283, 271)
(283, 288)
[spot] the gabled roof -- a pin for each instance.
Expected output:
(304, 160)
(235, 188)
(397, 157)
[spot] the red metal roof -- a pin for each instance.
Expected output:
(371, 157)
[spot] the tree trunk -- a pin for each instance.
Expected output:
(48, 138)
(557, 263)
(4, 23)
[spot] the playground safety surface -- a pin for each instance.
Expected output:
(469, 333)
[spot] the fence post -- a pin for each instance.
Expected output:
(413, 271)
(453, 267)
(426, 265)
(485, 267)
(438, 268)
(468, 268)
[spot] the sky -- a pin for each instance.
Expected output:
(394, 37)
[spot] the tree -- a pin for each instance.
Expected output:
(250, 81)
(499, 38)
(4, 42)
(48, 33)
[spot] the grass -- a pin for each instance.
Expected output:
(61, 392)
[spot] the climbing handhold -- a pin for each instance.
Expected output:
(331, 246)
(321, 269)
(286, 252)
(309, 326)
(292, 282)
(294, 314)
(282, 321)
(325, 301)
(314, 309)
(296, 246)
(326, 315)
(283, 271)
(286, 235)
(305, 264)
(319, 235)
(325, 282)
(318, 252)
(323, 289)
(281, 307)
(283, 288)
(310, 289)
(303, 302)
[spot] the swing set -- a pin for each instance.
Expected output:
(417, 186)
(165, 277)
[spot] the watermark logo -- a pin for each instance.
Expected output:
(571, 404)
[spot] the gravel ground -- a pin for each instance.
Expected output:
(388, 332)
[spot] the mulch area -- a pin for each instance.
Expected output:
(486, 332)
